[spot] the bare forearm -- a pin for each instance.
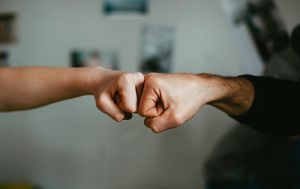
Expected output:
(232, 95)
(31, 87)
(169, 100)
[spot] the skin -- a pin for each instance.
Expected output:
(166, 100)
(116, 93)
(169, 100)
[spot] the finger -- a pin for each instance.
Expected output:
(138, 80)
(151, 104)
(150, 75)
(157, 110)
(128, 115)
(148, 102)
(163, 122)
(109, 107)
(147, 121)
(118, 101)
(126, 89)
(139, 83)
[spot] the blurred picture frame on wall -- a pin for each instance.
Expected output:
(108, 59)
(125, 7)
(4, 56)
(263, 21)
(157, 48)
(8, 33)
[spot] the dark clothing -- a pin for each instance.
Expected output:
(276, 106)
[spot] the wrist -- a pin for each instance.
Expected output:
(232, 95)
(88, 79)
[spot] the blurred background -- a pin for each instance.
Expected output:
(71, 144)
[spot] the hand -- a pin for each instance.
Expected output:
(169, 100)
(116, 92)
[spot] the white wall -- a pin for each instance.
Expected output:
(71, 144)
(249, 55)
(290, 11)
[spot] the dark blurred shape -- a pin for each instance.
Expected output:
(295, 39)
(125, 6)
(245, 158)
(157, 49)
(75, 60)
(84, 58)
(4, 59)
(151, 65)
(7, 28)
(266, 27)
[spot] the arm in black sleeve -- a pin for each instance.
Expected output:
(275, 109)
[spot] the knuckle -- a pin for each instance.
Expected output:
(131, 109)
(140, 110)
(125, 77)
(118, 117)
(141, 113)
(101, 103)
(140, 75)
(149, 75)
(156, 129)
(154, 81)
(178, 119)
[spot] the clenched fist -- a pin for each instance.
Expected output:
(169, 100)
(117, 93)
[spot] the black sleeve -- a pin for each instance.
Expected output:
(276, 106)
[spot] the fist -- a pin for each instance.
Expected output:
(117, 93)
(169, 100)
